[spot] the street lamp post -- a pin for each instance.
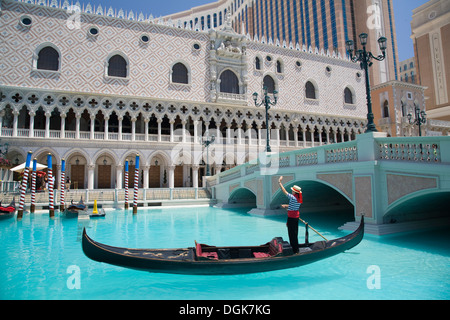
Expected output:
(420, 118)
(267, 102)
(208, 141)
(365, 58)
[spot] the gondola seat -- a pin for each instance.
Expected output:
(261, 254)
(208, 255)
(275, 248)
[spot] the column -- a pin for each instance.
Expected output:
(195, 131)
(47, 124)
(159, 129)
(277, 135)
(120, 118)
(119, 176)
(259, 135)
(91, 136)
(106, 128)
(171, 130)
(63, 126)
(133, 129)
(320, 135)
(91, 174)
(286, 129)
(77, 126)
(183, 129)
(15, 123)
(31, 133)
(146, 176)
(304, 136)
(239, 135)
(57, 175)
(228, 133)
(146, 121)
(296, 136)
(195, 176)
(171, 177)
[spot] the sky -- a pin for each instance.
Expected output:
(402, 10)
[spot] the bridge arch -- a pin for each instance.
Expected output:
(242, 196)
(428, 204)
(317, 196)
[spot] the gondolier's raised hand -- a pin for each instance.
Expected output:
(281, 185)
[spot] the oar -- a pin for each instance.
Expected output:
(313, 229)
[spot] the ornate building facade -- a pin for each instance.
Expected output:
(96, 87)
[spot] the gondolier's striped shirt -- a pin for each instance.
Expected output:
(294, 206)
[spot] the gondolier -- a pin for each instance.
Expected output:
(295, 200)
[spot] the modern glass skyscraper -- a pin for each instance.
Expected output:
(321, 24)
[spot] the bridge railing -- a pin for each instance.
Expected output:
(367, 147)
(417, 149)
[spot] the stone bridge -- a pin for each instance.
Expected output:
(392, 181)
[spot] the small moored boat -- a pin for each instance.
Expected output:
(8, 211)
(210, 260)
(74, 209)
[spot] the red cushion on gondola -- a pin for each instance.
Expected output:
(199, 249)
(261, 254)
(200, 253)
(211, 255)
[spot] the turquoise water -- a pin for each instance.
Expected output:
(42, 259)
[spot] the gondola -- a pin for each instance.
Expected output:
(8, 211)
(210, 260)
(74, 209)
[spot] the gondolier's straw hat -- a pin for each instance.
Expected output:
(296, 189)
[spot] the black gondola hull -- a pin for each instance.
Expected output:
(183, 261)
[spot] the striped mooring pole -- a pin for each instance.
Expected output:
(33, 187)
(136, 185)
(23, 188)
(126, 184)
(50, 186)
(62, 185)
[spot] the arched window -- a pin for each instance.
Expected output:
(386, 109)
(229, 82)
(348, 96)
(117, 66)
(310, 90)
(279, 67)
(269, 83)
(180, 73)
(48, 59)
(257, 63)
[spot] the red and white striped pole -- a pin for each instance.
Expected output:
(62, 187)
(126, 184)
(23, 187)
(50, 186)
(33, 187)
(136, 185)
